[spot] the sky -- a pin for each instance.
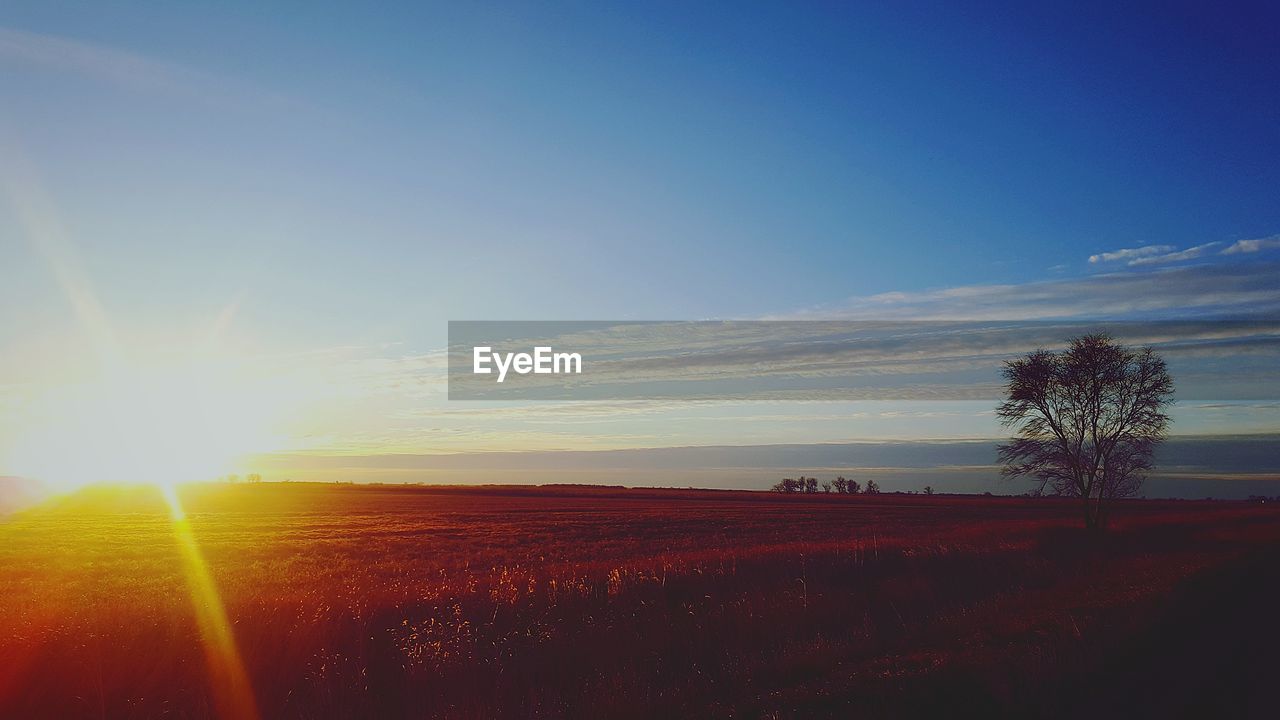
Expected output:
(303, 197)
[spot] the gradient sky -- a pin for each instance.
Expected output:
(334, 184)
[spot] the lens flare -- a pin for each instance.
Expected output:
(232, 691)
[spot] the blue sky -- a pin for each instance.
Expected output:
(318, 179)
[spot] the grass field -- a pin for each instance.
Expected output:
(299, 600)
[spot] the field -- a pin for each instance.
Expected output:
(335, 601)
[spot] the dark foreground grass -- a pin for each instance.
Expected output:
(569, 602)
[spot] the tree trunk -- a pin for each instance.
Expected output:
(1094, 516)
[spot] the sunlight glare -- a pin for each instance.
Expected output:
(154, 423)
(232, 690)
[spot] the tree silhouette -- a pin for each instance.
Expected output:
(789, 485)
(873, 488)
(1086, 420)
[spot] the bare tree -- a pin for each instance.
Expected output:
(841, 485)
(873, 488)
(1086, 420)
(826, 487)
(854, 487)
(789, 485)
(810, 484)
(928, 489)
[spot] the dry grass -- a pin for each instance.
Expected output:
(571, 602)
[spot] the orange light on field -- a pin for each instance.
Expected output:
(232, 691)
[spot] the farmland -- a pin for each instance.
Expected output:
(301, 600)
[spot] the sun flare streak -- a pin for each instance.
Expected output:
(232, 691)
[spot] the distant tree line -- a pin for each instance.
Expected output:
(841, 485)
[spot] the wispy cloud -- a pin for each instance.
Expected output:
(1130, 253)
(1239, 406)
(1194, 290)
(1190, 253)
(1253, 246)
(858, 360)
(1165, 254)
(675, 380)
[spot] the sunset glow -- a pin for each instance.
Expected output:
(145, 422)
(527, 361)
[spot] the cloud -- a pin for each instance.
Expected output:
(1227, 454)
(1253, 246)
(1239, 406)
(899, 346)
(1172, 257)
(1190, 291)
(862, 360)
(1130, 253)
(1165, 254)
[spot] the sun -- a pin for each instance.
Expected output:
(154, 421)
